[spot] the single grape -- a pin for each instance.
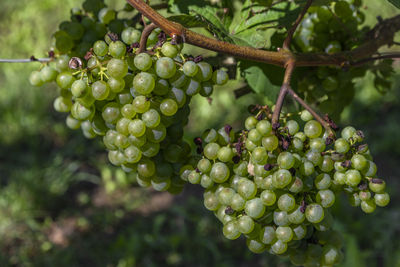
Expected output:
(151, 118)
(255, 246)
(353, 177)
(220, 77)
(219, 172)
(100, 90)
(284, 233)
(314, 213)
(285, 160)
(190, 68)
(254, 208)
(286, 202)
(117, 68)
(100, 48)
(165, 67)
(144, 83)
(368, 206)
(382, 199)
(326, 198)
(117, 49)
(130, 35)
(313, 129)
(230, 230)
(279, 247)
(245, 224)
(270, 142)
(246, 188)
(48, 74)
(169, 50)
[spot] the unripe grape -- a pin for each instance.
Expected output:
(382, 199)
(368, 206)
(255, 246)
(313, 129)
(314, 213)
(254, 208)
(219, 172)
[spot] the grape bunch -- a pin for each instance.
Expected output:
(137, 102)
(276, 186)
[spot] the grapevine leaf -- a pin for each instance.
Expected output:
(215, 25)
(396, 3)
(189, 21)
(182, 6)
(262, 78)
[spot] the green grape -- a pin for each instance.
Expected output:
(149, 149)
(286, 202)
(251, 123)
(178, 96)
(193, 87)
(146, 168)
(137, 141)
(137, 127)
(285, 160)
(62, 104)
(314, 157)
(264, 127)
(151, 118)
(245, 224)
(194, 177)
(144, 83)
(179, 80)
(117, 68)
(306, 116)
(270, 142)
(122, 126)
(211, 201)
(307, 168)
(326, 198)
(314, 213)
(330, 255)
(281, 178)
(382, 199)
(246, 188)
(117, 49)
(156, 134)
(143, 61)
(121, 141)
(140, 104)
(81, 112)
(211, 151)
(79, 88)
(354, 200)
(219, 172)
(377, 187)
(116, 85)
(62, 63)
(284, 233)
(100, 90)
(293, 127)
(353, 177)
(161, 88)
(165, 67)
(190, 68)
(72, 123)
(254, 136)
(296, 186)
(161, 186)
(130, 35)
(169, 50)
(205, 72)
(259, 155)
(339, 178)
(322, 181)
(279, 247)
(132, 154)
(254, 208)
(281, 218)
(100, 48)
(341, 145)
(359, 162)
(296, 216)
(64, 80)
(370, 170)
(364, 195)
(313, 129)
(220, 77)
(128, 111)
(225, 154)
(317, 144)
(225, 196)
(48, 74)
(368, 206)
(64, 42)
(206, 89)
(255, 246)
(238, 202)
(348, 133)
(267, 235)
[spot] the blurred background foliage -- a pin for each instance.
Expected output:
(62, 204)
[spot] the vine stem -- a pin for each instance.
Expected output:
(292, 30)
(145, 35)
(382, 34)
(24, 60)
(282, 94)
(324, 123)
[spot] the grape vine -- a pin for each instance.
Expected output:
(128, 81)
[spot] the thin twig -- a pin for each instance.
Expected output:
(382, 56)
(25, 60)
(282, 93)
(309, 109)
(145, 35)
(382, 34)
(292, 30)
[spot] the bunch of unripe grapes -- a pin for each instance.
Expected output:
(137, 102)
(275, 186)
(333, 28)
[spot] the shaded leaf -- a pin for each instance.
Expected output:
(189, 21)
(396, 3)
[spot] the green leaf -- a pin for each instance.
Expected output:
(264, 79)
(189, 21)
(182, 6)
(396, 3)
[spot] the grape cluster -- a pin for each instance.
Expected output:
(138, 102)
(275, 186)
(333, 28)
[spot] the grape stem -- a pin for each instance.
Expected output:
(145, 35)
(292, 30)
(382, 34)
(25, 60)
